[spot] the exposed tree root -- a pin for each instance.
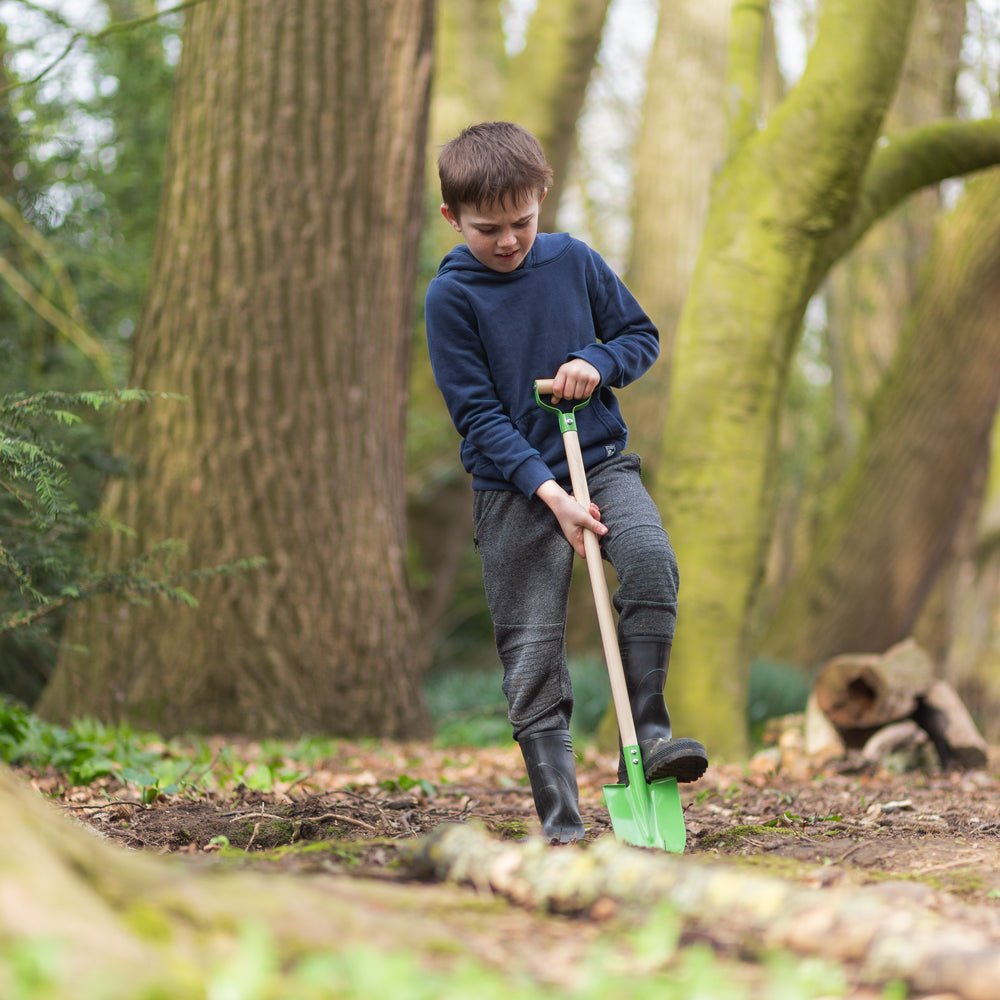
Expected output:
(889, 931)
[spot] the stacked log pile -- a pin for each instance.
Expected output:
(869, 708)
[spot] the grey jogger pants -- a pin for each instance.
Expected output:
(527, 565)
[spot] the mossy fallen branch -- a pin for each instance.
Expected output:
(889, 930)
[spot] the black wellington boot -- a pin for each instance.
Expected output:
(548, 757)
(646, 662)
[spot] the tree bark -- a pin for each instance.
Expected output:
(470, 67)
(867, 296)
(548, 83)
(870, 291)
(280, 306)
(973, 661)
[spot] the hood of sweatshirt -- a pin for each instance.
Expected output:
(547, 247)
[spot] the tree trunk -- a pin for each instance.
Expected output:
(905, 496)
(777, 198)
(470, 67)
(681, 143)
(280, 306)
(867, 297)
(870, 292)
(548, 83)
(972, 664)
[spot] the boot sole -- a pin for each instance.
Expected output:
(685, 760)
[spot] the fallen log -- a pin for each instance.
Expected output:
(943, 714)
(889, 930)
(878, 703)
(862, 691)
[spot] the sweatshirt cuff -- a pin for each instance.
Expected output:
(530, 474)
(600, 358)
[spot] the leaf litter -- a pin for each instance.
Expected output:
(352, 811)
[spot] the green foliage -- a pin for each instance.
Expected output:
(89, 158)
(775, 689)
(85, 751)
(404, 783)
(645, 964)
(468, 707)
(82, 152)
(44, 563)
(88, 750)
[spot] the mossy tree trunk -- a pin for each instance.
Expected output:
(280, 305)
(791, 198)
(867, 298)
(904, 498)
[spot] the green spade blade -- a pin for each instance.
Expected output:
(646, 814)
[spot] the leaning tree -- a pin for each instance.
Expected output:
(795, 191)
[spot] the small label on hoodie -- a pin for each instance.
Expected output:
(609, 450)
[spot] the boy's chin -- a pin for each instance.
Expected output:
(504, 264)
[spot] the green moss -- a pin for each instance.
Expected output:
(348, 852)
(149, 922)
(511, 829)
(727, 839)
(958, 882)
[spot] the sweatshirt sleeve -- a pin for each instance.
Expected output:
(627, 340)
(462, 374)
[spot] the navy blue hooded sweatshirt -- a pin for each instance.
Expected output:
(491, 334)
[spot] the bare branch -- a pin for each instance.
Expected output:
(93, 36)
(66, 325)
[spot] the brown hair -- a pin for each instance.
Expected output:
(489, 163)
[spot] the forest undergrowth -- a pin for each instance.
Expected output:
(331, 810)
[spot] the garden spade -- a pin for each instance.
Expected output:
(647, 814)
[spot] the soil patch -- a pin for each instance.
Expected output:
(353, 812)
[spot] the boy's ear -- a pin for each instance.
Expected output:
(450, 217)
(541, 197)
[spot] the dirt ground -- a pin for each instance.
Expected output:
(934, 835)
(822, 828)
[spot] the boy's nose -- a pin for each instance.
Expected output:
(507, 239)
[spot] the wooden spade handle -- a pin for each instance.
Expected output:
(599, 585)
(544, 386)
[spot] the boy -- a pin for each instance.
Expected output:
(509, 306)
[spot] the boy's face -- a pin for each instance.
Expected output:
(499, 237)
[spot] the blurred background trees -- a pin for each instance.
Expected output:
(773, 180)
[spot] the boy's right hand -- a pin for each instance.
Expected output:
(573, 518)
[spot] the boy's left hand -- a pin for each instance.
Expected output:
(576, 379)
